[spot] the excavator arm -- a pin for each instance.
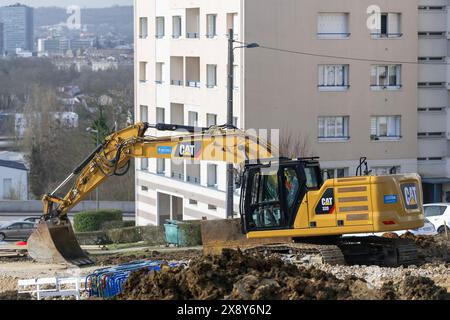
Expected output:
(54, 240)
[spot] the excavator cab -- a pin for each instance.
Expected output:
(271, 194)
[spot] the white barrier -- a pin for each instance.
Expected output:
(53, 287)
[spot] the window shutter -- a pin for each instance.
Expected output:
(211, 76)
(373, 126)
(333, 23)
(393, 23)
(321, 76)
(177, 26)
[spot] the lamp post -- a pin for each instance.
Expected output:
(230, 173)
(97, 143)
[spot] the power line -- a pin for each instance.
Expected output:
(311, 54)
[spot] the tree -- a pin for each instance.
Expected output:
(100, 125)
(294, 145)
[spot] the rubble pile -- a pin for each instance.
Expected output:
(430, 248)
(235, 275)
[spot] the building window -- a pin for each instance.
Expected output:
(176, 27)
(233, 23)
(161, 166)
(143, 28)
(193, 202)
(211, 119)
(333, 77)
(211, 20)
(331, 128)
(385, 77)
(334, 173)
(212, 207)
(144, 113)
(193, 119)
(385, 170)
(385, 128)
(144, 188)
(388, 26)
(143, 72)
(160, 27)
(333, 26)
(159, 72)
(212, 175)
(144, 164)
(211, 70)
(160, 115)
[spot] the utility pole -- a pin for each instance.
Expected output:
(230, 173)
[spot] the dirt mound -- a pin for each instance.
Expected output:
(14, 295)
(235, 275)
(116, 259)
(430, 248)
(413, 288)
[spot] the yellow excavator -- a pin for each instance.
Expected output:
(285, 206)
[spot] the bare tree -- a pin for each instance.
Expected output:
(294, 145)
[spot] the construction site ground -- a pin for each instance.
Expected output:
(238, 276)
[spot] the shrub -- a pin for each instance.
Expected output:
(89, 221)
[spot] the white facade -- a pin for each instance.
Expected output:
(178, 46)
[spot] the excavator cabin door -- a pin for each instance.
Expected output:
(271, 195)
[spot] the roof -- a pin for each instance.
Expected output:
(13, 165)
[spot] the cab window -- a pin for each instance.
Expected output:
(312, 181)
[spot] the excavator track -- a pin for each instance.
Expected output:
(341, 251)
(302, 253)
(379, 251)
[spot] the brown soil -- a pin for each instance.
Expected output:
(235, 275)
(430, 248)
(13, 295)
(116, 259)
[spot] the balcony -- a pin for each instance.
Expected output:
(176, 71)
(193, 173)
(193, 72)
(177, 113)
(193, 23)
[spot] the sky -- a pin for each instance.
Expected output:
(65, 3)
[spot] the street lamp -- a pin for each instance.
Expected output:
(97, 143)
(230, 169)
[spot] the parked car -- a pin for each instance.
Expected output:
(32, 219)
(19, 230)
(439, 215)
(427, 230)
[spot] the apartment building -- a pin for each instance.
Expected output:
(340, 89)
(433, 98)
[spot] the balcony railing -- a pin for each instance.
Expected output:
(176, 36)
(386, 35)
(176, 82)
(158, 81)
(193, 84)
(159, 36)
(178, 176)
(194, 180)
(192, 35)
(384, 138)
(211, 35)
(143, 36)
(333, 35)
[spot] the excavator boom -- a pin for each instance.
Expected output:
(54, 240)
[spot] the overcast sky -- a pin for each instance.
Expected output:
(65, 3)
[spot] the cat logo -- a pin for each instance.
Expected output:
(189, 150)
(410, 196)
(326, 203)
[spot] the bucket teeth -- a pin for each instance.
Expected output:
(56, 244)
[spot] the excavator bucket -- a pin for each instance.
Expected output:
(56, 244)
(227, 234)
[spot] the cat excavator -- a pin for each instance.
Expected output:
(286, 208)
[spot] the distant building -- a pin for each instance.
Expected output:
(81, 44)
(66, 120)
(18, 28)
(53, 46)
(13, 180)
